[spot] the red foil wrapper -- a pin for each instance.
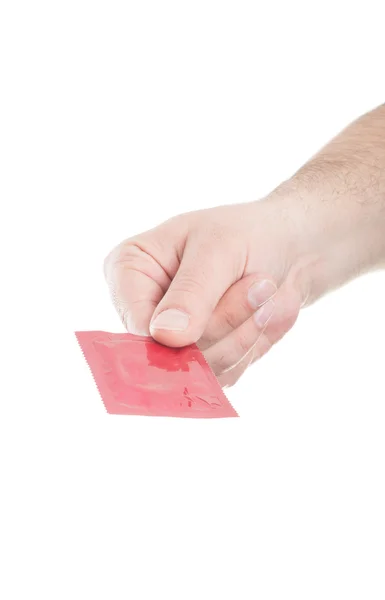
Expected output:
(137, 376)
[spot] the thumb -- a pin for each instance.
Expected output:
(207, 270)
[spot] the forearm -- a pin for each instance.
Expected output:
(338, 203)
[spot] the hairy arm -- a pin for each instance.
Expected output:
(338, 201)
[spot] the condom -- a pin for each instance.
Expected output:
(137, 376)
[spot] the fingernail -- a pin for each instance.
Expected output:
(172, 319)
(260, 292)
(263, 314)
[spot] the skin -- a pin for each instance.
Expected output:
(235, 277)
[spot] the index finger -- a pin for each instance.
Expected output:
(137, 283)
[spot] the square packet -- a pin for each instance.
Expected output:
(137, 376)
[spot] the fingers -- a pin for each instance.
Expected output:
(229, 378)
(231, 350)
(237, 305)
(208, 268)
(288, 301)
(230, 357)
(263, 345)
(137, 283)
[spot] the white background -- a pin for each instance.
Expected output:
(115, 116)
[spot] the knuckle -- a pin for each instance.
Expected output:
(117, 256)
(126, 256)
(243, 344)
(188, 286)
(127, 252)
(229, 319)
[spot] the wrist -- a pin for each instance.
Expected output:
(332, 237)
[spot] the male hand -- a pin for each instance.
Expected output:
(224, 278)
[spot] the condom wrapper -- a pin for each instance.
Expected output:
(137, 376)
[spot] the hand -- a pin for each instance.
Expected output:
(225, 278)
(233, 278)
